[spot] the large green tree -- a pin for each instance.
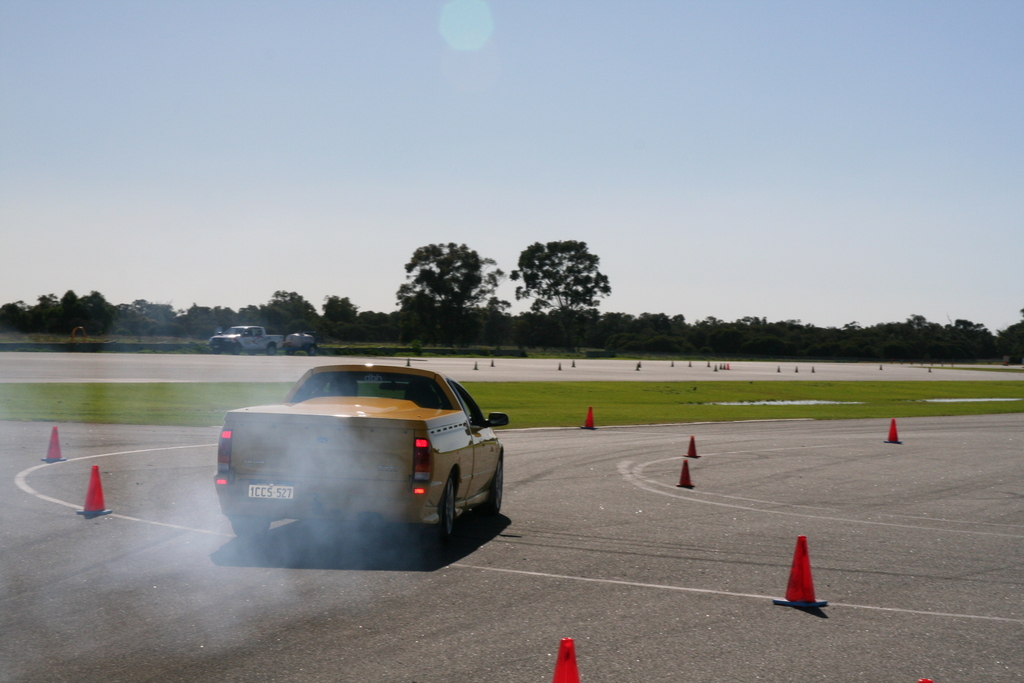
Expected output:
(564, 277)
(446, 284)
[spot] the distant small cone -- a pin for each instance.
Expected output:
(929, 369)
(638, 366)
(690, 365)
(673, 364)
(684, 476)
(800, 590)
(475, 367)
(692, 450)
(709, 364)
(716, 368)
(94, 496)
(812, 369)
(778, 369)
(728, 366)
(589, 424)
(565, 667)
(893, 437)
(879, 367)
(492, 362)
(53, 452)
(559, 366)
(574, 362)
(408, 362)
(797, 369)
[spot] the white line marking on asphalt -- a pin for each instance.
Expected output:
(686, 589)
(21, 480)
(638, 470)
(626, 470)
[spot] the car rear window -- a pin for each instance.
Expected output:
(423, 391)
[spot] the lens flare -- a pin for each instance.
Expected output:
(466, 24)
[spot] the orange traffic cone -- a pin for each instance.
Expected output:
(684, 476)
(589, 424)
(94, 497)
(692, 450)
(565, 667)
(800, 590)
(893, 438)
(53, 452)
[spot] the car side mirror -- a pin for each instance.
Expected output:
(497, 420)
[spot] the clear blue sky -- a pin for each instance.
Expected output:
(824, 161)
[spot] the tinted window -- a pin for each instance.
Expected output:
(423, 391)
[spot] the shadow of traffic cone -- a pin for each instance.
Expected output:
(565, 666)
(53, 452)
(589, 424)
(684, 476)
(893, 437)
(691, 452)
(800, 590)
(94, 497)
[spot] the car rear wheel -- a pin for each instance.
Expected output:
(271, 349)
(250, 527)
(446, 511)
(311, 351)
(493, 505)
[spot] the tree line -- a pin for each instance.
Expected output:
(449, 298)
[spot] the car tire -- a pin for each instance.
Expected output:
(495, 491)
(311, 351)
(271, 349)
(248, 528)
(446, 511)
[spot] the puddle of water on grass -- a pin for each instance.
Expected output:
(966, 400)
(788, 403)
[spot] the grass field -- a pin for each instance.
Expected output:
(530, 404)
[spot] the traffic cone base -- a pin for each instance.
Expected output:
(53, 452)
(684, 477)
(893, 436)
(94, 497)
(800, 590)
(589, 424)
(790, 603)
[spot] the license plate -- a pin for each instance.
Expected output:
(271, 491)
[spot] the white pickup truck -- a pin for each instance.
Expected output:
(247, 338)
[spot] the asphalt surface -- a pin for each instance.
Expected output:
(136, 367)
(917, 547)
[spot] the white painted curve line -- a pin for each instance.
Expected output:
(626, 470)
(639, 472)
(686, 589)
(21, 480)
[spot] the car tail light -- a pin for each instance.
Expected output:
(421, 460)
(224, 451)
